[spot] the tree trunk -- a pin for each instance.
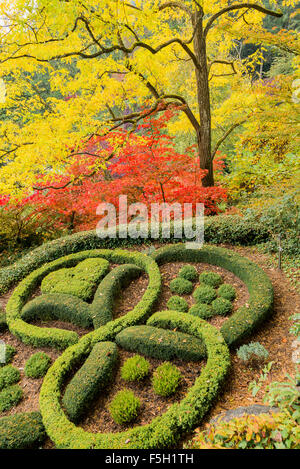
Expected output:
(203, 97)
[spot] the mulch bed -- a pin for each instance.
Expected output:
(273, 334)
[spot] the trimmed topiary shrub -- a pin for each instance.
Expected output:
(124, 407)
(22, 431)
(166, 379)
(260, 304)
(10, 352)
(231, 229)
(211, 278)
(9, 397)
(221, 307)
(66, 308)
(37, 365)
(135, 369)
(59, 338)
(204, 294)
(227, 291)
(201, 310)
(163, 431)
(79, 281)
(188, 272)
(101, 310)
(159, 343)
(9, 375)
(181, 286)
(166, 430)
(90, 379)
(177, 303)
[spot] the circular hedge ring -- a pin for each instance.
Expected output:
(260, 304)
(163, 431)
(37, 336)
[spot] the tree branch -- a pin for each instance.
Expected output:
(237, 7)
(223, 138)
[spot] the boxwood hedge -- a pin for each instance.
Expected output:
(260, 304)
(90, 379)
(22, 431)
(163, 431)
(159, 343)
(219, 229)
(43, 337)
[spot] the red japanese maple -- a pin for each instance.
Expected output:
(148, 169)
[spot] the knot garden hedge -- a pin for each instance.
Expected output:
(95, 354)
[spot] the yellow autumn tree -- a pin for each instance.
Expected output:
(118, 61)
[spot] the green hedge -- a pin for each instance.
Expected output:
(69, 308)
(44, 337)
(37, 365)
(101, 310)
(79, 281)
(124, 407)
(177, 303)
(66, 308)
(219, 229)
(159, 343)
(10, 396)
(163, 431)
(92, 378)
(260, 304)
(21, 431)
(9, 375)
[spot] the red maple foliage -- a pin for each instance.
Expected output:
(148, 169)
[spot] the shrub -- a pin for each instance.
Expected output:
(221, 306)
(166, 379)
(204, 294)
(162, 344)
(254, 351)
(276, 431)
(10, 352)
(176, 303)
(188, 272)
(79, 281)
(58, 306)
(37, 365)
(201, 310)
(164, 431)
(8, 375)
(181, 286)
(227, 291)
(101, 310)
(10, 397)
(124, 407)
(260, 305)
(3, 323)
(135, 368)
(210, 278)
(21, 431)
(90, 379)
(59, 338)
